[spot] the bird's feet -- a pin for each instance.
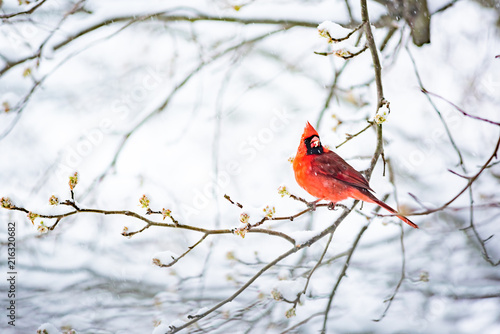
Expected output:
(332, 206)
(312, 205)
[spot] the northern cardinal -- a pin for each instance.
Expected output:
(326, 176)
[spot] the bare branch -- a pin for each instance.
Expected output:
(349, 136)
(445, 125)
(166, 102)
(150, 223)
(234, 203)
(293, 250)
(297, 325)
(349, 55)
(402, 277)
(26, 12)
(378, 81)
(303, 292)
(471, 179)
(185, 253)
(425, 91)
(341, 275)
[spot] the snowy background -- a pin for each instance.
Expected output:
(210, 98)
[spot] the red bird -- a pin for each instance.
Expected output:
(325, 175)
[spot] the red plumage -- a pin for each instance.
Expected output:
(326, 176)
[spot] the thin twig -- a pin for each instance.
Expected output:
(401, 278)
(193, 15)
(341, 275)
(318, 263)
(468, 186)
(166, 102)
(425, 91)
(232, 202)
(373, 49)
(445, 7)
(26, 12)
(349, 136)
(293, 250)
(297, 325)
(311, 272)
(378, 81)
(440, 116)
(331, 93)
(387, 38)
(169, 16)
(190, 248)
(150, 223)
(349, 11)
(470, 179)
(349, 55)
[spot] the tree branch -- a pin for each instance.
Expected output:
(402, 277)
(425, 91)
(293, 250)
(378, 81)
(26, 12)
(341, 275)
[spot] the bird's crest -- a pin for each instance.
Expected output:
(309, 131)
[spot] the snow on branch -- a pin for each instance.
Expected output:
(338, 39)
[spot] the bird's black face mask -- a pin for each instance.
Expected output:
(313, 145)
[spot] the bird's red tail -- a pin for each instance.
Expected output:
(375, 200)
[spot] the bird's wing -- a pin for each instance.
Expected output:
(332, 165)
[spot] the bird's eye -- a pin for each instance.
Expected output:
(315, 142)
